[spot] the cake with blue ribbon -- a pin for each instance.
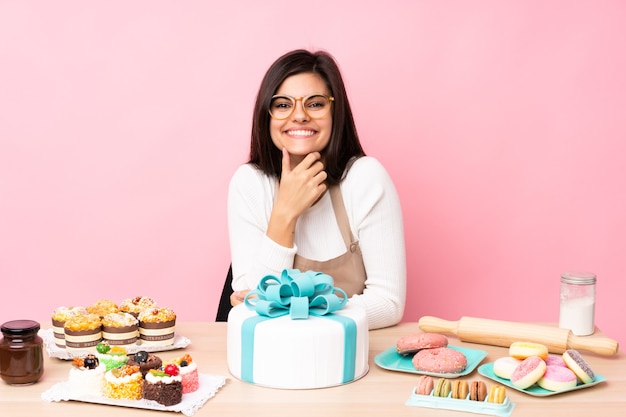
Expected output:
(297, 331)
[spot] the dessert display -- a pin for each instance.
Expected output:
(120, 329)
(278, 343)
(59, 316)
(83, 332)
(145, 361)
(188, 372)
(125, 382)
(156, 326)
(111, 357)
(86, 377)
(163, 386)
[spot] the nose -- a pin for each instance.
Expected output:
(299, 113)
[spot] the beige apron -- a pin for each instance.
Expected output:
(347, 270)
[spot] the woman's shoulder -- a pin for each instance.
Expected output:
(248, 176)
(367, 167)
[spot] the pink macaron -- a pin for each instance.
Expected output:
(557, 378)
(528, 372)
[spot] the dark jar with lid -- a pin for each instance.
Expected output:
(21, 352)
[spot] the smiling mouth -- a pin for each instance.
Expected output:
(301, 133)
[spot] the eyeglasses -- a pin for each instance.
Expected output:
(315, 106)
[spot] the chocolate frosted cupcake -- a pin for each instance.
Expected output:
(82, 333)
(136, 305)
(120, 329)
(156, 326)
(59, 316)
(145, 361)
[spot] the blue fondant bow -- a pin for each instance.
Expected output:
(296, 293)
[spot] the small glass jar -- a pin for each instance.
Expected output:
(578, 302)
(21, 352)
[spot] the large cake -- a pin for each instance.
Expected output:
(294, 332)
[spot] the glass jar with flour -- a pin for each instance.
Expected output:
(578, 301)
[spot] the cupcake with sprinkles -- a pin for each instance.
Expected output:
(188, 372)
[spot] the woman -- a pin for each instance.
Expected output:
(310, 199)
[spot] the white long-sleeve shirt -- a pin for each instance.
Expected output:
(375, 217)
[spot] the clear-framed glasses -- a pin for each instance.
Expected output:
(315, 106)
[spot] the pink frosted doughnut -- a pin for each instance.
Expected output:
(414, 342)
(529, 371)
(504, 367)
(555, 360)
(440, 360)
(557, 378)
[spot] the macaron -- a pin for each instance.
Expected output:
(442, 387)
(528, 372)
(557, 378)
(477, 391)
(424, 385)
(497, 394)
(460, 389)
(577, 364)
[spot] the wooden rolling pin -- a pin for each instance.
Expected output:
(503, 333)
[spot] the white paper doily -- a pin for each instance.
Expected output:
(54, 351)
(192, 402)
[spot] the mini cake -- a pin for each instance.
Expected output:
(124, 382)
(136, 305)
(111, 357)
(188, 372)
(103, 307)
(120, 329)
(164, 387)
(145, 361)
(156, 326)
(82, 333)
(59, 317)
(86, 377)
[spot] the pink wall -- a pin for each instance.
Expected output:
(502, 124)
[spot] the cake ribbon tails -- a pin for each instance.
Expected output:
(296, 293)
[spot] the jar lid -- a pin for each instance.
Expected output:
(19, 327)
(578, 278)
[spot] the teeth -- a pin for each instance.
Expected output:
(301, 132)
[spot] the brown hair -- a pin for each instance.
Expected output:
(344, 142)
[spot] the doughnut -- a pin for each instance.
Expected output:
(414, 342)
(556, 360)
(504, 367)
(459, 389)
(522, 350)
(497, 393)
(442, 388)
(424, 385)
(529, 371)
(577, 364)
(477, 391)
(557, 378)
(441, 360)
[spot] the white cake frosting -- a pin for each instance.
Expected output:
(301, 353)
(86, 382)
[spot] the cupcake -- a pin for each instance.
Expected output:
(59, 317)
(103, 307)
(145, 361)
(188, 372)
(86, 377)
(136, 305)
(111, 357)
(124, 382)
(120, 329)
(164, 387)
(156, 326)
(82, 333)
